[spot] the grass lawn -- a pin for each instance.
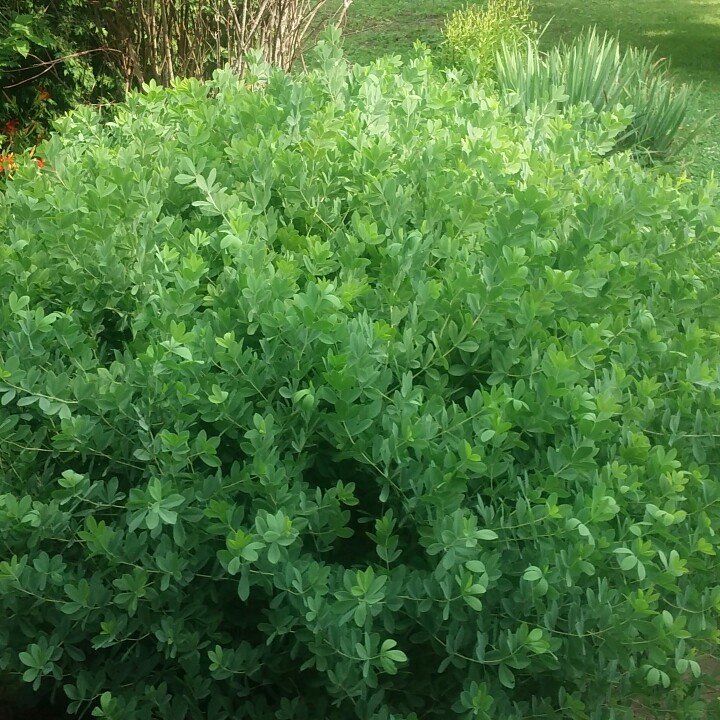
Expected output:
(687, 32)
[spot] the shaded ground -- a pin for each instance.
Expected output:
(710, 701)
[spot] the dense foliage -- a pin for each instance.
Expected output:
(475, 33)
(593, 68)
(55, 56)
(352, 394)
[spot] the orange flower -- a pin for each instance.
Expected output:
(10, 127)
(43, 95)
(7, 160)
(40, 162)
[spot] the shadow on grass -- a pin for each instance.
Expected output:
(695, 46)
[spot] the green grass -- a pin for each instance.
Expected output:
(389, 27)
(686, 32)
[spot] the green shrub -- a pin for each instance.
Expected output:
(51, 59)
(352, 394)
(476, 32)
(594, 69)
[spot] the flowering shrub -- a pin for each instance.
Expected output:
(353, 394)
(7, 162)
(16, 138)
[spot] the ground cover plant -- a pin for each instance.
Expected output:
(354, 394)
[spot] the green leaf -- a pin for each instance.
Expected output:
(532, 574)
(218, 395)
(473, 602)
(487, 535)
(506, 676)
(475, 566)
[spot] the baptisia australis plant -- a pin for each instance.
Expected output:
(354, 394)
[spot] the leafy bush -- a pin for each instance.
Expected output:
(50, 60)
(71, 52)
(594, 69)
(17, 33)
(476, 32)
(351, 393)
(16, 138)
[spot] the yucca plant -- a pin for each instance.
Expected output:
(594, 69)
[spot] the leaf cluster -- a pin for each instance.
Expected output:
(355, 394)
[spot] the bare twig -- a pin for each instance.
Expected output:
(165, 39)
(48, 65)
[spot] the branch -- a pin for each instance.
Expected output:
(50, 64)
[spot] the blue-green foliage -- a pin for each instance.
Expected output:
(354, 395)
